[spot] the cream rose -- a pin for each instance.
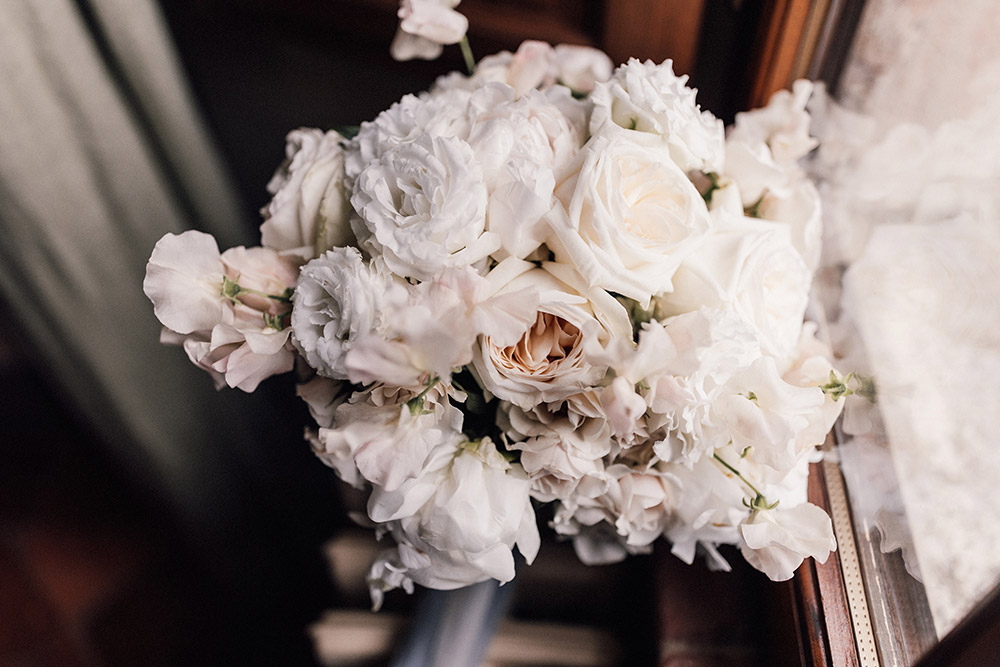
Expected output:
(550, 360)
(627, 217)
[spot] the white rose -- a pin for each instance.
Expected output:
(457, 524)
(647, 99)
(752, 268)
(549, 361)
(776, 541)
(339, 298)
(628, 217)
(422, 207)
(229, 311)
(309, 211)
(424, 26)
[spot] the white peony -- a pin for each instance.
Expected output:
(340, 297)
(520, 145)
(457, 524)
(387, 442)
(228, 311)
(627, 218)
(650, 100)
(426, 25)
(422, 207)
(309, 211)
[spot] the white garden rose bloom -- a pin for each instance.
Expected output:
(422, 208)
(309, 211)
(751, 268)
(228, 311)
(339, 298)
(457, 524)
(520, 145)
(549, 361)
(628, 216)
(776, 541)
(646, 99)
(426, 25)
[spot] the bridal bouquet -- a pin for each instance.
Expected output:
(548, 291)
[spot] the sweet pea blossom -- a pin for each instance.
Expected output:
(227, 310)
(776, 541)
(426, 25)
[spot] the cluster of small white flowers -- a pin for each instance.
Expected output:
(547, 282)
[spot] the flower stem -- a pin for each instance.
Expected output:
(737, 473)
(470, 61)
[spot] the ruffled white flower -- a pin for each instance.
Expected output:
(228, 311)
(548, 361)
(650, 100)
(776, 541)
(340, 298)
(628, 217)
(627, 519)
(422, 208)
(443, 113)
(562, 447)
(457, 524)
(426, 25)
(309, 211)
(752, 268)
